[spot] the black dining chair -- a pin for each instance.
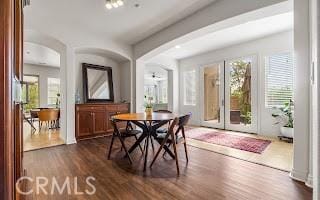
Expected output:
(163, 130)
(165, 140)
(183, 121)
(122, 134)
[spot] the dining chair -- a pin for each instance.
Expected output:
(167, 140)
(34, 115)
(48, 116)
(183, 121)
(163, 130)
(122, 134)
(163, 111)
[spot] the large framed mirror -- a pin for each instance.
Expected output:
(97, 83)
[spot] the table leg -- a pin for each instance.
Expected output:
(136, 144)
(146, 153)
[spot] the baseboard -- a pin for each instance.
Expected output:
(298, 176)
(309, 181)
(71, 141)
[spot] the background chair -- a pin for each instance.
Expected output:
(49, 116)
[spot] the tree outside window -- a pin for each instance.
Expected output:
(30, 92)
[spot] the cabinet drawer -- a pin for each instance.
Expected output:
(90, 108)
(111, 108)
(123, 108)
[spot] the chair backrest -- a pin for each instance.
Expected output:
(183, 120)
(172, 125)
(48, 114)
(120, 123)
(34, 113)
(163, 111)
(113, 123)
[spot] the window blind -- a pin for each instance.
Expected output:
(279, 79)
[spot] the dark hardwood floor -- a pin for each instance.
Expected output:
(208, 175)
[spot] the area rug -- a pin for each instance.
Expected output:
(234, 141)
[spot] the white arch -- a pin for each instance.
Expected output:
(103, 52)
(52, 43)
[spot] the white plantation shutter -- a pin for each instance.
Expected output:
(189, 80)
(279, 79)
(53, 90)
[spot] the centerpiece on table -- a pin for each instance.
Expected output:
(148, 105)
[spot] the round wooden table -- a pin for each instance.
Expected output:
(144, 117)
(149, 125)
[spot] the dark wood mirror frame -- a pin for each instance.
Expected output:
(85, 67)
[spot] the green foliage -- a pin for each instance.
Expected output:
(238, 73)
(148, 102)
(33, 92)
(285, 114)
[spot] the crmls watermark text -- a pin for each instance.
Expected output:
(53, 186)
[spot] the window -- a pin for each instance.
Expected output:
(189, 80)
(53, 91)
(158, 92)
(279, 79)
(30, 92)
(163, 92)
(150, 93)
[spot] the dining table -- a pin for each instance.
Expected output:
(149, 123)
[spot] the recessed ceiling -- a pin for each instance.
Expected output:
(126, 23)
(40, 55)
(233, 35)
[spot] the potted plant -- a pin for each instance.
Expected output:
(58, 100)
(149, 106)
(285, 116)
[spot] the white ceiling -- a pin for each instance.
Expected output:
(233, 35)
(160, 73)
(127, 23)
(40, 55)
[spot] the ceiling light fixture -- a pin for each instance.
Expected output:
(178, 46)
(114, 4)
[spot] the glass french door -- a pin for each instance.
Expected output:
(212, 93)
(241, 94)
(229, 95)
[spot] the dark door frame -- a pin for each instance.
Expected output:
(10, 114)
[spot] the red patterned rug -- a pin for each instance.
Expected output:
(234, 141)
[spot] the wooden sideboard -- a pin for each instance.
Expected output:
(93, 120)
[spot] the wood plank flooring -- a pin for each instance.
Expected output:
(208, 175)
(40, 139)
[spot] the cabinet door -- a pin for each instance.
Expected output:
(84, 123)
(99, 122)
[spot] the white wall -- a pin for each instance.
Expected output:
(44, 72)
(282, 42)
(302, 93)
(316, 138)
(125, 82)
